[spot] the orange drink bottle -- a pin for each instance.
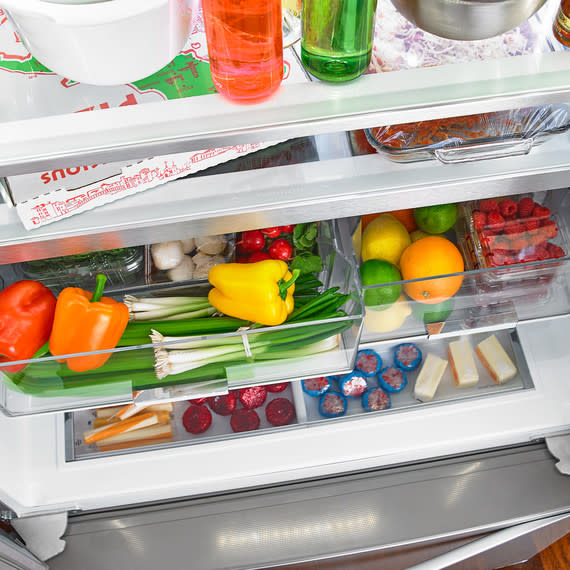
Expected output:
(245, 46)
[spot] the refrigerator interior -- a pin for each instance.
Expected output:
(318, 174)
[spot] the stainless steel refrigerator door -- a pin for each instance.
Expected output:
(385, 511)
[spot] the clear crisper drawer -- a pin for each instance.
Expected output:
(533, 282)
(252, 355)
(288, 406)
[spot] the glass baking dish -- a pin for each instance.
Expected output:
(46, 385)
(472, 137)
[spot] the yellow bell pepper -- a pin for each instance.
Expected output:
(261, 292)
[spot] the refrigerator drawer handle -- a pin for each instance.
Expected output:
(495, 540)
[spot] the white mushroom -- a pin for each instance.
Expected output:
(206, 263)
(211, 245)
(184, 271)
(167, 254)
(188, 245)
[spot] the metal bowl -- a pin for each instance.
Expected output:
(467, 19)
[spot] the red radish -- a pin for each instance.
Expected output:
(258, 256)
(271, 232)
(287, 229)
(252, 240)
(281, 249)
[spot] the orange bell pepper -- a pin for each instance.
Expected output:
(86, 322)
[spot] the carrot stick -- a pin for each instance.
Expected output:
(136, 422)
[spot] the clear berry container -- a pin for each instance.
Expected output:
(520, 239)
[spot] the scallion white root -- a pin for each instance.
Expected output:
(167, 308)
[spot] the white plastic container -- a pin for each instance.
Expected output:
(103, 43)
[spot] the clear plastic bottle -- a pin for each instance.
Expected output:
(337, 36)
(245, 46)
(561, 27)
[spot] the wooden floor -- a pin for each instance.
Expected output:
(556, 557)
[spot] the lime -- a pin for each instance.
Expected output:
(385, 237)
(418, 234)
(436, 219)
(379, 272)
(432, 313)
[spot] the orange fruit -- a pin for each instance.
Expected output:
(429, 257)
(406, 217)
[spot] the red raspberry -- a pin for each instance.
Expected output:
(498, 259)
(513, 228)
(508, 207)
(495, 221)
(479, 220)
(501, 245)
(537, 239)
(527, 255)
(519, 244)
(541, 253)
(555, 251)
(489, 205)
(549, 229)
(489, 240)
(540, 212)
(532, 225)
(526, 206)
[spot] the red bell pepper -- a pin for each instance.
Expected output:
(26, 315)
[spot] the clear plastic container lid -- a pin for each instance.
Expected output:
(523, 231)
(471, 137)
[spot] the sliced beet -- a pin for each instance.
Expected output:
(280, 412)
(197, 419)
(252, 397)
(244, 420)
(276, 387)
(224, 404)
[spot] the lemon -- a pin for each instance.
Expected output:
(385, 237)
(387, 320)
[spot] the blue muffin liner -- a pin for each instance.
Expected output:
(366, 397)
(414, 364)
(353, 384)
(388, 387)
(328, 414)
(320, 392)
(372, 353)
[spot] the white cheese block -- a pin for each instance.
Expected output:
(496, 360)
(429, 377)
(462, 363)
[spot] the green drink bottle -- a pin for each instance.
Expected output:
(337, 35)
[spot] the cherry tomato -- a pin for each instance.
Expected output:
(287, 229)
(271, 232)
(252, 240)
(258, 256)
(241, 259)
(280, 249)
